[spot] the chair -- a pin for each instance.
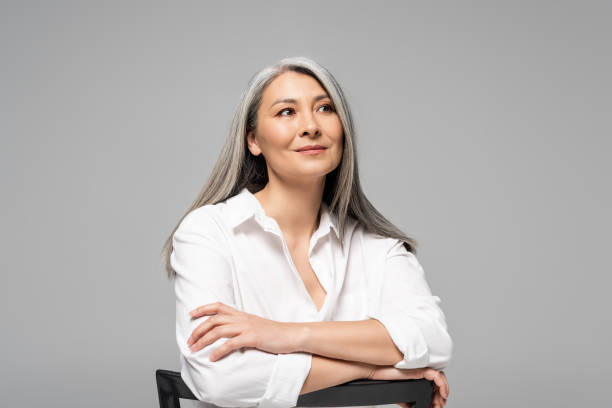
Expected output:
(170, 387)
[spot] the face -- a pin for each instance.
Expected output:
(295, 112)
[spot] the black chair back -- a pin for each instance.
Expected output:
(171, 387)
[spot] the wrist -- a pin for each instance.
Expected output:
(368, 370)
(298, 337)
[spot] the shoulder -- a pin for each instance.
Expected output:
(201, 231)
(374, 241)
(204, 220)
(383, 246)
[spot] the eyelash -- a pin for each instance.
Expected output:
(331, 109)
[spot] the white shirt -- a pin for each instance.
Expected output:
(234, 253)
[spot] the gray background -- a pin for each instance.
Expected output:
(483, 132)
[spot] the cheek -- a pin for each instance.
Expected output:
(335, 129)
(276, 136)
(338, 134)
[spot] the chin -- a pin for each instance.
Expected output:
(320, 173)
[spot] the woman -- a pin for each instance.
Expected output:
(287, 279)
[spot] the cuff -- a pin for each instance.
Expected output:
(288, 377)
(408, 338)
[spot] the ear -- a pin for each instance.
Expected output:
(252, 143)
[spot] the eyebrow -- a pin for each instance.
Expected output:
(291, 100)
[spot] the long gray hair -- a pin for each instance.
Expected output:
(236, 167)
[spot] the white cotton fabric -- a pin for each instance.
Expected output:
(234, 253)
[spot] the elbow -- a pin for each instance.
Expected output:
(198, 380)
(431, 347)
(440, 352)
(221, 382)
(439, 343)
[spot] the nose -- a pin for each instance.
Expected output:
(309, 126)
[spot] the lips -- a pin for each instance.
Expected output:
(314, 147)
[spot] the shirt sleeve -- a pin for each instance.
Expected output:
(406, 307)
(245, 377)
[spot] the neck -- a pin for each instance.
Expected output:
(296, 208)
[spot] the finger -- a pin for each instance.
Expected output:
(228, 331)
(437, 399)
(207, 325)
(434, 397)
(445, 389)
(202, 329)
(230, 345)
(446, 392)
(437, 402)
(204, 310)
(440, 381)
(211, 308)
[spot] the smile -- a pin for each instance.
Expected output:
(311, 151)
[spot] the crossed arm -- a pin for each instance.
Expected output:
(341, 350)
(366, 341)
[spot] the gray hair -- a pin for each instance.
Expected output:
(236, 167)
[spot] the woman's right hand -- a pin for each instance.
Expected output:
(441, 389)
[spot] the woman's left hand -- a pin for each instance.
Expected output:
(440, 389)
(245, 330)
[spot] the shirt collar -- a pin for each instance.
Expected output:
(245, 205)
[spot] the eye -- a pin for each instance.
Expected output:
(331, 109)
(286, 109)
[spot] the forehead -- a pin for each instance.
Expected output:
(292, 85)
